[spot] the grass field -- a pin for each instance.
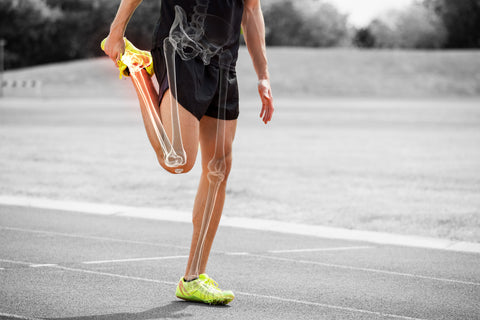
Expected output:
(408, 165)
(300, 72)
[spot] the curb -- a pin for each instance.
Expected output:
(166, 214)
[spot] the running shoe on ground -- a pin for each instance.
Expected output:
(204, 289)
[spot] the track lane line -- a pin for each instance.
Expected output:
(323, 232)
(322, 305)
(321, 249)
(16, 316)
(40, 265)
(134, 259)
(80, 236)
(329, 306)
(403, 274)
(340, 266)
(17, 262)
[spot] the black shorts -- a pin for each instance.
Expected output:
(198, 86)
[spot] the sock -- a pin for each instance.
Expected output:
(190, 280)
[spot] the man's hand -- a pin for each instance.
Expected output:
(115, 48)
(265, 92)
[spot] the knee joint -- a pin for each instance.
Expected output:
(180, 169)
(216, 170)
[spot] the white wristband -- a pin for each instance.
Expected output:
(263, 81)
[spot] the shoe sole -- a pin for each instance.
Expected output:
(210, 303)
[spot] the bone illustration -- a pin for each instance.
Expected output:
(189, 40)
(174, 156)
(216, 166)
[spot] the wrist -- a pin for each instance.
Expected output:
(264, 81)
(116, 32)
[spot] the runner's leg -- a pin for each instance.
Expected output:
(208, 134)
(189, 124)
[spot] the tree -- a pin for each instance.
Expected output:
(364, 38)
(325, 26)
(314, 24)
(26, 25)
(283, 24)
(420, 28)
(461, 19)
(415, 27)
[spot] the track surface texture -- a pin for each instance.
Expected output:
(64, 265)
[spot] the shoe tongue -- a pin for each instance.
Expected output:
(203, 276)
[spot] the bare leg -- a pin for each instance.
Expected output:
(208, 128)
(216, 169)
(159, 128)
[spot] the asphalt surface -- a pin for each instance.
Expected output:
(63, 265)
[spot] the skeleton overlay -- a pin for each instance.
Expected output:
(188, 41)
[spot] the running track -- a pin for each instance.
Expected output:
(67, 265)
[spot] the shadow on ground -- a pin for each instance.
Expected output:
(173, 310)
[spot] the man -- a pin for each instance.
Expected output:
(200, 79)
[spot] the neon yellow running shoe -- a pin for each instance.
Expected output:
(203, 289)
(134, 59)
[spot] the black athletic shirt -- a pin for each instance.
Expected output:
(221, 25)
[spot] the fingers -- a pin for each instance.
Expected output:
(267, 102)
(114, 48)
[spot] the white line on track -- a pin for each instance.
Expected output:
(331, 265)
(327, 306)
(70, 235)
(341, 266)
(237, 253)
(134, 259)
(16, 316)
(320, 249)
(42, 265)
(115, 275)
(248, 223)
(17, 262)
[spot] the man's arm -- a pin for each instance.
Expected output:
(254, 33)
(115, 46)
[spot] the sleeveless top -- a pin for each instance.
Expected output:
(212, 26)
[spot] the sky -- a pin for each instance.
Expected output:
(361, 12)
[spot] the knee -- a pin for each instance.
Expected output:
(219, 165)
(187, 167)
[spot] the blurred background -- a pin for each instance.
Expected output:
(377, 123)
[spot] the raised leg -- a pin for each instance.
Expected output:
(176, 156)
(159, 127)
(148, 98)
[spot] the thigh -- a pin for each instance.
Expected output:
(208, 137)
(189, 126)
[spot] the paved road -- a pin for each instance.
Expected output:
(63, 265)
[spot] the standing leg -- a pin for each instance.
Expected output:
(215, 172)
(208, 133)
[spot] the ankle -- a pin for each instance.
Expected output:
(189, 279)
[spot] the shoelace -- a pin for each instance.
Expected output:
(212, 282)
(211, 286)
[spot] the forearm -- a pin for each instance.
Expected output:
(254, 33)
(124, 13)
